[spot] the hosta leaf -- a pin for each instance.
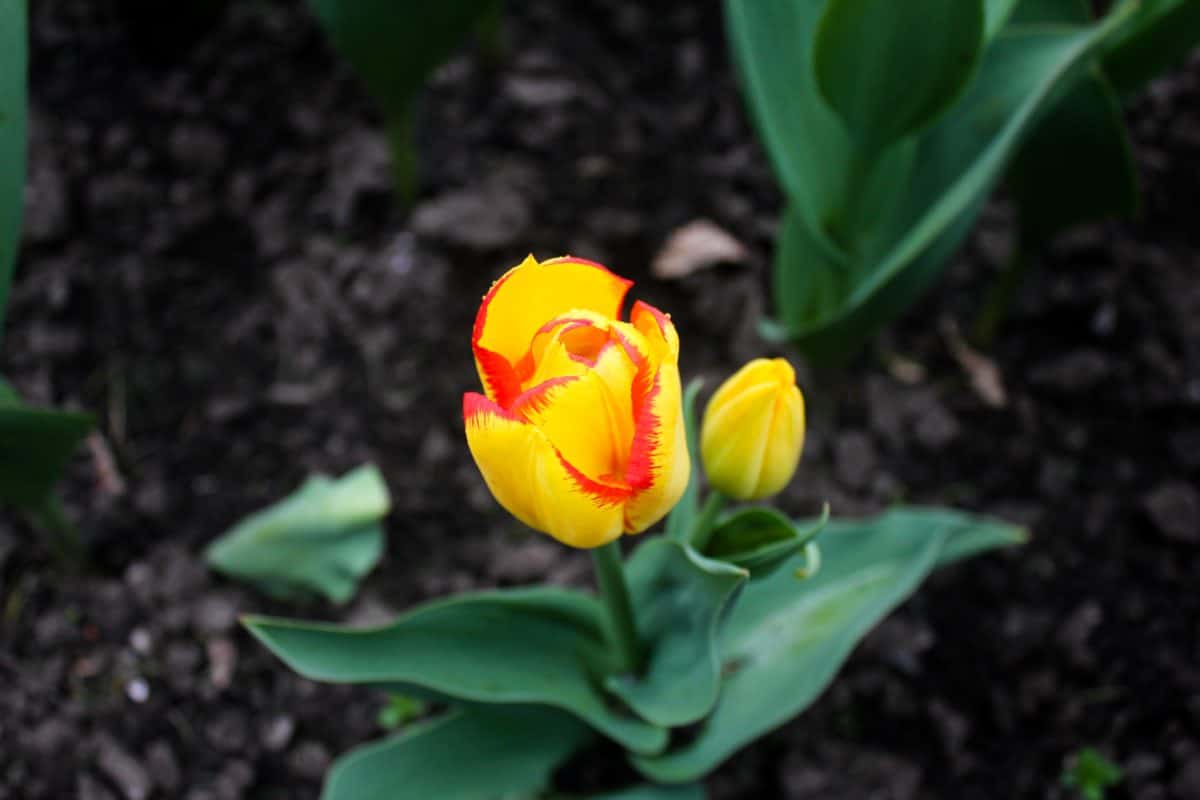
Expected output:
(322, 538)
(529, 646)
(1157, 36)
(888, 69)
(13, 62)
(785, 639)
(760, 539)
(477, 753)
(683, 516)
(35, 447)
(679, 597)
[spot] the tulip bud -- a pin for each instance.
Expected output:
(753, 430)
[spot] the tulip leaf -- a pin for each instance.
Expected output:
(679, 597)
(322, 538)
(690, 791)
(760, 539)
(960, 158)
(13, 65)
(1060, 178)
(1157, 36)
(475, 753)
(997, 13)
(785, 639)
(36, 445)
(683, 515)
(528, 646)
(889, 69)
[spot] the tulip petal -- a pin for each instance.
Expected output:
(734, 437)
(533, 481)
(659, 464)
(657, 329)
(522, 301)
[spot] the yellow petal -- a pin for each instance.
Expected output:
(733, 439)
(534, 482)
(523, 300)
(659, 465)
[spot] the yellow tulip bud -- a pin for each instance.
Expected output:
(753, 430)
(580, 433)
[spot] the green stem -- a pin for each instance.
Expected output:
(1003, 292)
(610, 575)
(703, 530)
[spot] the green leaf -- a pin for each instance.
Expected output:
(691, 791)
(997, 13)
(543, 646)
(1060, 178)
(477, 753)
(683, 515)
(1157, 36)
(324, 538)
(960, 158)
(785, 640)
(13, 63)
(889, 69)
(679, 597)
(35, 447)
(760, 539)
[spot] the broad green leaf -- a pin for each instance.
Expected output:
(529, 646)
(13, 62)
(691, 791)
(679, 597)
(477, 753)
(1157, 36)
(35, 447)
(1060, 177)
(772, 46)
(996, 13)
(960, 158)
(323, 538)
(683, 515)
(760, 539)
(785, 639)
(888, 69)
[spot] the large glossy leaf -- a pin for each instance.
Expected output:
(322, 538)
(679, 597)
(541, 646)
(477, 753)
(1158, 36)
(772, 46)
(683, 516)
(997, 13)
(12, 139)
(35, 447)
(785, 639)
(888, 69)
(1077, 165)
(960, 158)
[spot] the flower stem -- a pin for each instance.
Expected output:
(702, 532)
(610, 575)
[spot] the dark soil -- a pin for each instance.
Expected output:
(213, 266)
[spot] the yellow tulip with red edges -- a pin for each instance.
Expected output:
(580, 432)
(753, 430)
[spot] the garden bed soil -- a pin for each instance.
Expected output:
(214, 266)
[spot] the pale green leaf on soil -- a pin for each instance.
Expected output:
(323, 538)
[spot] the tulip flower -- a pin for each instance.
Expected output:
(580, 432)
(753, 430)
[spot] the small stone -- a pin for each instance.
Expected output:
(309, 760)
(1174, 508)
(1077, 629)
(936, 427)
(214, 614)
(122, 769)
(540, 91)
(49, 738)
(233, 781)
(222, 660)
(137, 690)
(163, 767)
(277, 732)
(140, 641)
(227, 732)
